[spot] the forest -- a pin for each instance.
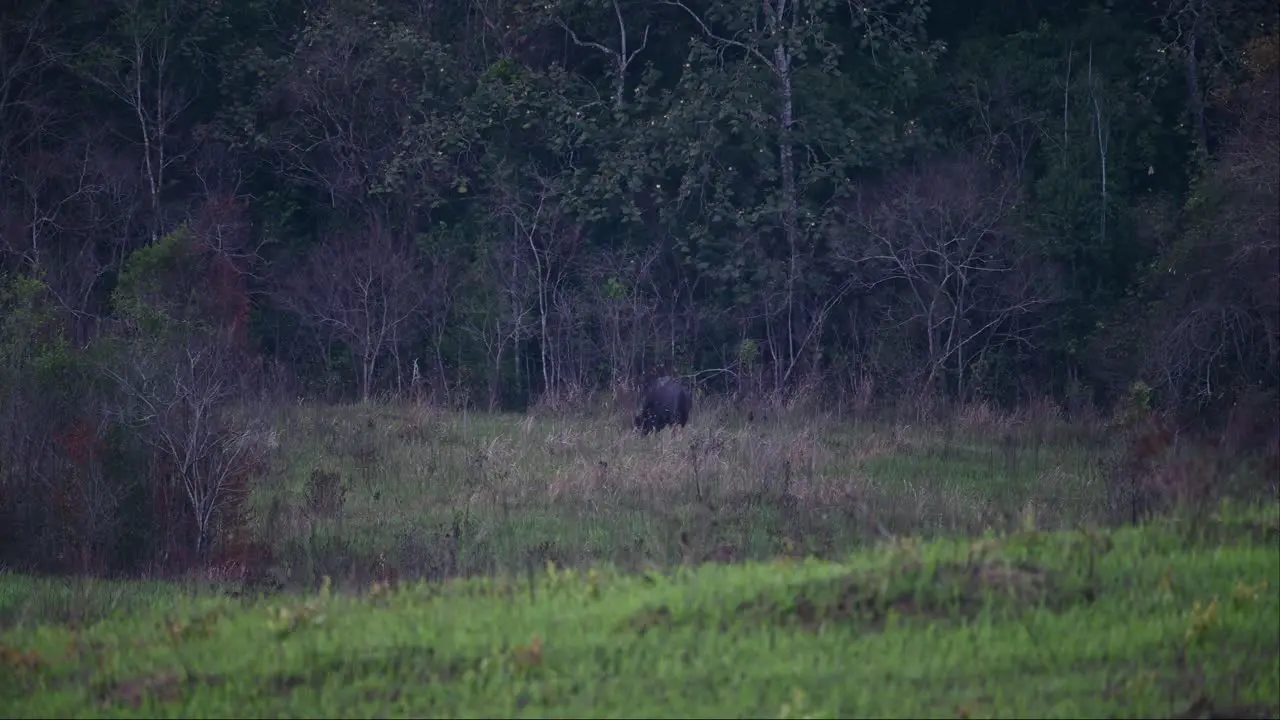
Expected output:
(503, 205)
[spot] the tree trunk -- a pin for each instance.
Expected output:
(790, 211)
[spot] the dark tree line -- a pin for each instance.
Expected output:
(488, 202)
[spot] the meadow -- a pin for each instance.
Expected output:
(416, 561)
(429, 493)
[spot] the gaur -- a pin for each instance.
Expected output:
(666, 402)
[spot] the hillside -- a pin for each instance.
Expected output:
(1173, 618)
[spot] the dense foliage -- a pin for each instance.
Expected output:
(503, 200)
(1163, 620)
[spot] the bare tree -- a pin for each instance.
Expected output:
(539, 221)
(623, 309)
(337, 145)
(23, 60)
(442, 285)
(68, 201)
(177, 395)
(499, 319)
(366, 288)
(945, 236)
(1003, 127)
(142, 73)
(80, 205)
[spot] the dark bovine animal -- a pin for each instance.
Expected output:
(666, 402)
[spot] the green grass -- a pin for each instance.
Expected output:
(1177, 616)
(441, 494)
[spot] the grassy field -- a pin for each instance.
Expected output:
(438, 494)
(1177, 618)
(422, 562)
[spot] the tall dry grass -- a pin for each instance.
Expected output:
(432, 492)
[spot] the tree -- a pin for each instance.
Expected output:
(539, 224)
(620, 59)
(365, 288)
(624, 310)
(947, 237)
(498, 315)
(1214, 329)
(796, 44)
(177, 398)
(177, 369)
(140, 62)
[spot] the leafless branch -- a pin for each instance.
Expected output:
(944, 236)
(621, 57)
(177, 396)
(365, 288)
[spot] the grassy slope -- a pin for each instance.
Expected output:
(1139, 622)
(440, 493)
